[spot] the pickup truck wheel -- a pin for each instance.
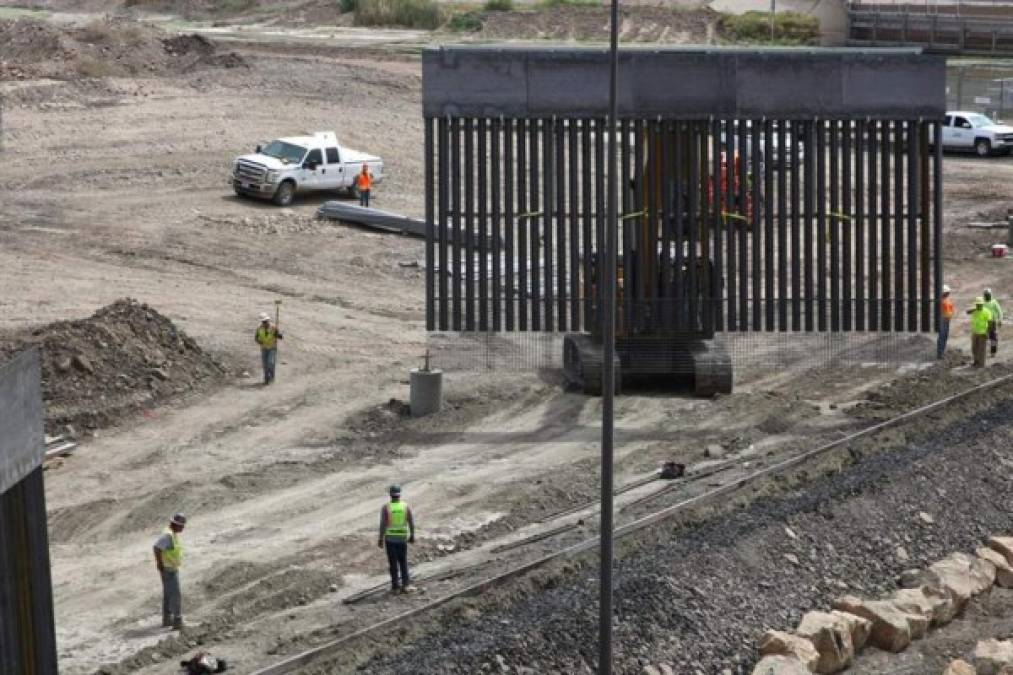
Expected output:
(983, 147)
(285, 193)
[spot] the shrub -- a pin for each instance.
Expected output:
(465, 22)
(405, 13)
(347, 6)
(790, 28)
(499, 5)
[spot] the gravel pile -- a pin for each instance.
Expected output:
(123, 358)
(698, 597)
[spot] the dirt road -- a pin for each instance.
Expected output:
(117, 187)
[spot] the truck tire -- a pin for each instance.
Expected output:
(983, 147)
(285, 193)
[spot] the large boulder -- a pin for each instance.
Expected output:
(1003, 570)
(991, 656)
(963, 576)
(780, 665)
(892, 628)
(779, 643)
(931, 602)
(959, 667)
(831, 636)
(859, 627)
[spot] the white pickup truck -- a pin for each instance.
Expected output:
(297, 163)
(974, 131)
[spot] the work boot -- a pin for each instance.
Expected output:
(394, 590)
(178, 624)
(166, 621)
(408, 589)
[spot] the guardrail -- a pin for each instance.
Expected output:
(966, 33)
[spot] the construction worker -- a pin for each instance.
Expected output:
(267, 337)
(364, 184)
(397, 530)
(168, 560)
(945, 314)
(980, 318)
(992, 305)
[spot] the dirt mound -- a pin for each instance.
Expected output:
(125, 357)
(104, 48)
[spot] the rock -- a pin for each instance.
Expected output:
(650, 670)
(934, 604)
(1003, 570)
(792, 558)
(81, 362)
(859, 627)
(990, 656)
(892, 628)
(902, 555)
(959, 667)
(790, 532)
(831, 636)
(665, 669)
(780, 665)
(714, 451)
(63, 364)
(926, 518)
(1003, 545)
(912, 579)
(963, 576)
(779, 643)
(159, 373)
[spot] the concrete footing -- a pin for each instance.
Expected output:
(426, 391)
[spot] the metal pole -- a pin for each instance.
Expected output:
(608, 360)
(773, 11)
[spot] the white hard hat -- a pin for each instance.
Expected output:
(264, 316)
(946, 289)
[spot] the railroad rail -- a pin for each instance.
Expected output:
(315, 654)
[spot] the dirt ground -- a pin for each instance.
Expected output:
(117, 186)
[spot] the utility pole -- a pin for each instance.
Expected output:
(773, 11)
(608, 388)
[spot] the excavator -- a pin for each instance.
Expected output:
(668, 292)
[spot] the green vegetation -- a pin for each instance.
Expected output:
(790, 28)
(347, 6)
(499, 5)
(405, 13)
(465, 22)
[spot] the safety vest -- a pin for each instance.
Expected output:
(397, 521)
(172, 558)
(365, 181)
(267, 338)
(994, 309)
(979, 321)
(947, 308)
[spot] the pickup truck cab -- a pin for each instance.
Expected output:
(973, 131)
(285, 166)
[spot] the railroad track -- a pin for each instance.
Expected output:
(334, 647)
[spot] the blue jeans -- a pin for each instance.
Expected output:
(268, 357)
(172, 598)
(397, 560)
(944, 334)
(364, 198)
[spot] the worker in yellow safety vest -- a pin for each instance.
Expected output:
(364, 185)
(168, 560)
(267, 337)
(397, 530)
(980, 319)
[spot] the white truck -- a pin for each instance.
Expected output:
(292, 164)
(964, 130)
